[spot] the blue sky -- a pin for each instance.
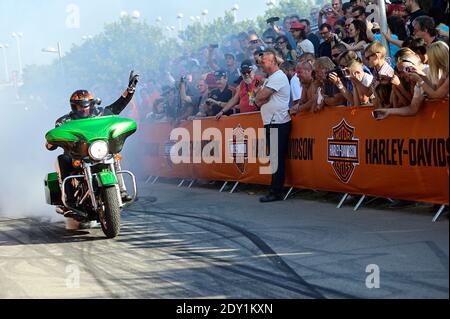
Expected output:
(44, 22)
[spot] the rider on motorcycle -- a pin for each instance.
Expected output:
(83, 106)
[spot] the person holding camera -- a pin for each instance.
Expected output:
(331, 12)
(328, 93)
(330, 40)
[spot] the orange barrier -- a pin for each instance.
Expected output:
(340, 149)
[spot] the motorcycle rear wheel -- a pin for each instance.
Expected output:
(111, 221)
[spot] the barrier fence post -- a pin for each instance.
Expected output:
(155, 180)
(288, 193)
(234, 187)
(192, 183)
(342, 200)
(148, 179)
(361, 200)
(181, 183)
(223, 187)
(438, 214)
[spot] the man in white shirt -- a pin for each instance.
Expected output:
(289, 68)
(273, 99)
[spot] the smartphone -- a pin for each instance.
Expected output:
(376, 115)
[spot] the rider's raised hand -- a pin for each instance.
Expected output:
(134, 79)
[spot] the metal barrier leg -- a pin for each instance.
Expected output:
(438, 214)
(289, 193)
(223, 187)
(155, 180)
(361, 200)
(148, 179)
(192, 183)
(342, 200)
(234, 187)
(181, 183)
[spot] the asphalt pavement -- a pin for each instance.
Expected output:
(199, 243)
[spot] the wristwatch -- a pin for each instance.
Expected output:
(340, 86)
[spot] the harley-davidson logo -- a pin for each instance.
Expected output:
(343, 151)
(238, 148)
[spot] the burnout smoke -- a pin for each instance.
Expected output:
(24, 161)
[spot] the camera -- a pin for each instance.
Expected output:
(409, 69)
(376, 115)
(214, 46)
(183, 79)
(341, 73)
(272, 20)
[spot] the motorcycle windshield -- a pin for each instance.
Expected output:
(112, 129)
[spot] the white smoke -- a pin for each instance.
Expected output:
(24, 161)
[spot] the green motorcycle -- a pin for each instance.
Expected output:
(94, 145)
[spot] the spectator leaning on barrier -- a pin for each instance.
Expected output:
(437, 87)
(309, 89)
(375, 56)
(220, 96)
(411, 66)
(360, 80)
(328, 94)
(289, 68)
(244, 97)
(273, 98)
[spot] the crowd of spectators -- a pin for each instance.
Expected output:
(343, 63)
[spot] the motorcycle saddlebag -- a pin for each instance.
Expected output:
(52, 190)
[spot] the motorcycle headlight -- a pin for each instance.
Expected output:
(98, 150)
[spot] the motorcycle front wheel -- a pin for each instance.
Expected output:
(111, 216)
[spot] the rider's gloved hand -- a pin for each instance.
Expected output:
(134, 79)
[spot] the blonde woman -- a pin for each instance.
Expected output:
(437, 72)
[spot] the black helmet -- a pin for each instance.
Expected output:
(82, 98)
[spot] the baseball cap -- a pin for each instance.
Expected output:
(297, 26)
(220, 74)
(246, 66)
(230, 55)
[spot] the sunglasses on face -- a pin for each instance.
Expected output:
(336, 55)
(281, 42)
(369, 56)
(247, 73)
(253, 41)
(324, 33)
